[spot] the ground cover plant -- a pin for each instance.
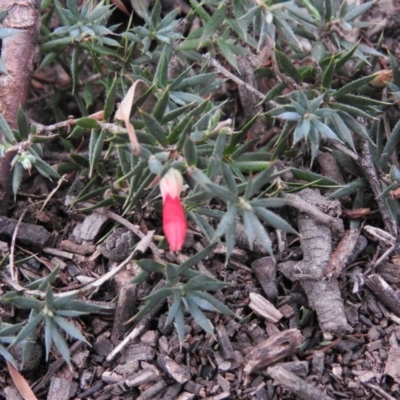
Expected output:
(220, 180)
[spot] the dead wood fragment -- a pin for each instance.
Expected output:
(273, 349)
(19, 54)
(176, 371)
(329, 167)
(300, 387)
(172, 392)
(96, 386)
(342, 254)
(368, 167)
(389, 272)
(91, 227)
(385, 294)
(125, 310)
(263, 307)
(318, 363)
(138, 352)
(59, 389)
(221, 396)
(265, 271)
(296, 201)
(316, 242)
(143, 376)
(83, 250)
(153, 390)
(225, 343)
(35, 236)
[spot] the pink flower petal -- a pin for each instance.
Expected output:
(174, 223)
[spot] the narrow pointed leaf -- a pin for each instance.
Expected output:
(199, 316)
(29, 330)
(6, 130)
(221, 307)
(61, 344)
(154, 128)
(173, 309)
(69, 328)
(354, 86)
(274, 220)
(192, 261)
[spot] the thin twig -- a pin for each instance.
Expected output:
(367, 165)
(296, 202)
(380, 391)
(53, 192)
(14, 277)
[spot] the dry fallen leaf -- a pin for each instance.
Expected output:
(21, 384)
(123, 113)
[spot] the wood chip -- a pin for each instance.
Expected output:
(90, 228)
(224, 342)
(83, 250)
(261, 306)
(143, 376)
(153, 390)
(59, 389)
(265, 271)
(392, 367)
(300, 387)
(273, 349)
(30, 235)
(177, 372)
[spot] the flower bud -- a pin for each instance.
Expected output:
(174, 221)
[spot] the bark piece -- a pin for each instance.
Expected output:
(295, 384)
(186, 396)
(265, 271)
(316, 242)
(369, 169)
(329, 167)
(28, 234)
(177, 372)
(392, 367)
(342, 254)
(317, 363)
(172, 392)
(83, 250)
(90, 228)
(138, 352)
(263, 307)
(273, 349)
(118, 245)
(385, 294)
(143, 376)
(12, 393)
(389, 272)
(153, 390)
(19, 54)
(124, 311)
(59, 389)
(225, 343)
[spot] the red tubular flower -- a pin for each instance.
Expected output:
(174, 221)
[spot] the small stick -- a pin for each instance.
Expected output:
(14, 277)
(385, 293)
(342, 253)
(367, 165)
(295, 201)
